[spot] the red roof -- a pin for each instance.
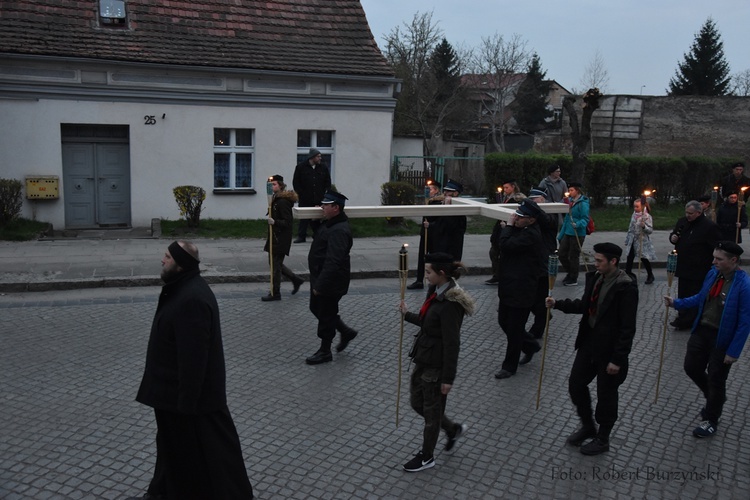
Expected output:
(318, 36)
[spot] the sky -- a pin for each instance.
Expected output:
(641, 41)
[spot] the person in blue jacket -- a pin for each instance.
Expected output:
(719, 331)
(573, 232)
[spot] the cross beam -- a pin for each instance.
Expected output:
(458, 206)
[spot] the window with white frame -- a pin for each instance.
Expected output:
(322, 140)
(234, 153)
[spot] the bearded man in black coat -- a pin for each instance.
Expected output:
(198, 452)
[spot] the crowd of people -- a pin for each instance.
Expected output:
(198, 451)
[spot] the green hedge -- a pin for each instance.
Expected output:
(673, 178)
(11, 200)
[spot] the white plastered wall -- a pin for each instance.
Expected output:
(178, 149)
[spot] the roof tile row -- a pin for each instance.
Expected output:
(324, 36)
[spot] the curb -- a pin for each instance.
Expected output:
(213, 279)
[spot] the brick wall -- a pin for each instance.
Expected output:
(669, 126)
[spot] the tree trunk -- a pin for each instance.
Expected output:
(581, 135)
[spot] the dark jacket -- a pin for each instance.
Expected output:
(311, 184)
(695, 248)
(439, 339)
(328, 259)
(185, 359)
(432, 231)
(281, 213)
(524, 261)
(446, 234)
(726, 219)
(611, 338)
(548, 227)
(730, 184)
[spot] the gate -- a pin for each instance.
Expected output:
(96, 178)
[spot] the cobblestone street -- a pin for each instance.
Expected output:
(72, 362)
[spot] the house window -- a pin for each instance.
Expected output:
(112, 13)
(321, 140)
(233, 158)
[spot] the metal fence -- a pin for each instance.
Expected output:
(415, 170)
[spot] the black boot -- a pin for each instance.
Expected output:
(297, 284)
(347, 335)
(269, 297)
(647, 265)
(599, 444)
(587, 430)
(319, 357)
(323, 355)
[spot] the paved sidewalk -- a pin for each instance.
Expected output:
(96, 259)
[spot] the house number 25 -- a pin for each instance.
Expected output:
(149, 120)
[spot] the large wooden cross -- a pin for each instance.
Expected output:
(458, 206)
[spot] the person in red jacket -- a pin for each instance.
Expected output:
(435, 354)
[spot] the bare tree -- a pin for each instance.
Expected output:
(499, 65)
(595, 75)
(741, 83)
(430, 70)
(581, 134)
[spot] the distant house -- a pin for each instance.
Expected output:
(122, 100)
(493, 96)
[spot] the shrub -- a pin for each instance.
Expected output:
(397, 193)
(527, 169)
(190, 201)
(11, 200)
(604, 175)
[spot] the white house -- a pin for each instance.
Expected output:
(122, 100)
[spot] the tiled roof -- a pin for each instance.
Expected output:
(319, 36)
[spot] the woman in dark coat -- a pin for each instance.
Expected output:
(280, 226)
(435, 354)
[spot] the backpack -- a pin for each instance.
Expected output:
(590, 227)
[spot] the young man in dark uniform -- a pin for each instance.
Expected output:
(330, 271)
(524, 262)
(605, 338)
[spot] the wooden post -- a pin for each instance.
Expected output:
(671, 269)
(403, 272)
(552, 263)
(269, 192)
